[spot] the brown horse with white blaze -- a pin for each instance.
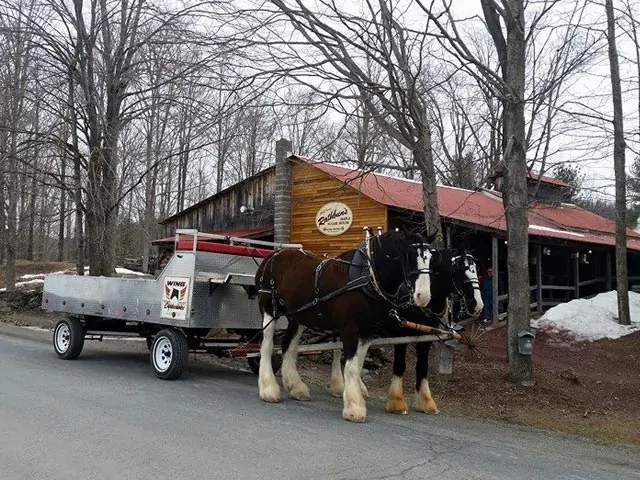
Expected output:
(326, 295)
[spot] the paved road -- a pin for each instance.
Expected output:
(105, 416)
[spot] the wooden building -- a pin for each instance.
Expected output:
(325, 206)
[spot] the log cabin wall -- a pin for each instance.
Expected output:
(222, 210)
(312, 189)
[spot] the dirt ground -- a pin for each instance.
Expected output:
(590, 389)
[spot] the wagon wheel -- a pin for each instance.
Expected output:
(169, 354)
(68, 338)
(476, 340)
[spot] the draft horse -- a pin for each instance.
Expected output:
(325, 294)
(450, 273)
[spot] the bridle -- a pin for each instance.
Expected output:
(396, 299)
(469, 265)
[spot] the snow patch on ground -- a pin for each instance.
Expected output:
(26, 285)
(34, 279)
(126, 271)
(591, 319)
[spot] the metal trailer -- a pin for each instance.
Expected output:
(207, 286)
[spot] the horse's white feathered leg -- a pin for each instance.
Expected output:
(395, 398)
(355, 408)
(290, 376)
(337, 381)
(267, 383)
(424, 400)
(362, 354)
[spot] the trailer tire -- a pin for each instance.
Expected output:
(68, 338)
(169, 354)
(254, 363)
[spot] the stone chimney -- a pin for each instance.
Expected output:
(282, 197)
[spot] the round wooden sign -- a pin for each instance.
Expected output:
(334, 218)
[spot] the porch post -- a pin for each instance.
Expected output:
(608, 271)
(576, 267)
(539, 275)
(494, 266)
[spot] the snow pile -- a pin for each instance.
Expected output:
(592, 319)
(34, 279)
(24, 285)
(126, 271)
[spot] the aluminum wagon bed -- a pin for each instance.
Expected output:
(207, 285)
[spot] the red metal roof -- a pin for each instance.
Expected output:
(576, 217)
(483, 208)
(545, 179)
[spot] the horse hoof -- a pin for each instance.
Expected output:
(427, 406)
(355, 414)
(270, 393)
(397, 406)
(300, 392)
(270, 398)
(336, 393)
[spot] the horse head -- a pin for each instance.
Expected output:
(464, 276)
(401, 262)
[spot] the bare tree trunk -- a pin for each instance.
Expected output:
(619, 147)
(23, 215)
(79, 217)
(63, 212)
(68, 228)
(3, 192)
(423, 157)
(12, 211)
(32, 217)
(515, 198)
(42, 242)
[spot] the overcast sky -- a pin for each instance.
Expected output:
(593, 148)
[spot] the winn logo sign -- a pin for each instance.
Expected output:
(175, 298)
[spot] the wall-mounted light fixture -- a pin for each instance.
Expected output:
(244, 209)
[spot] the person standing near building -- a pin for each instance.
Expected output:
(487, 295)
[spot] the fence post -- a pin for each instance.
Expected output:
(494, 266)
(608, 270)
(539, 275)
(577, 273)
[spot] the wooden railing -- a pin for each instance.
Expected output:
(537, 305)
